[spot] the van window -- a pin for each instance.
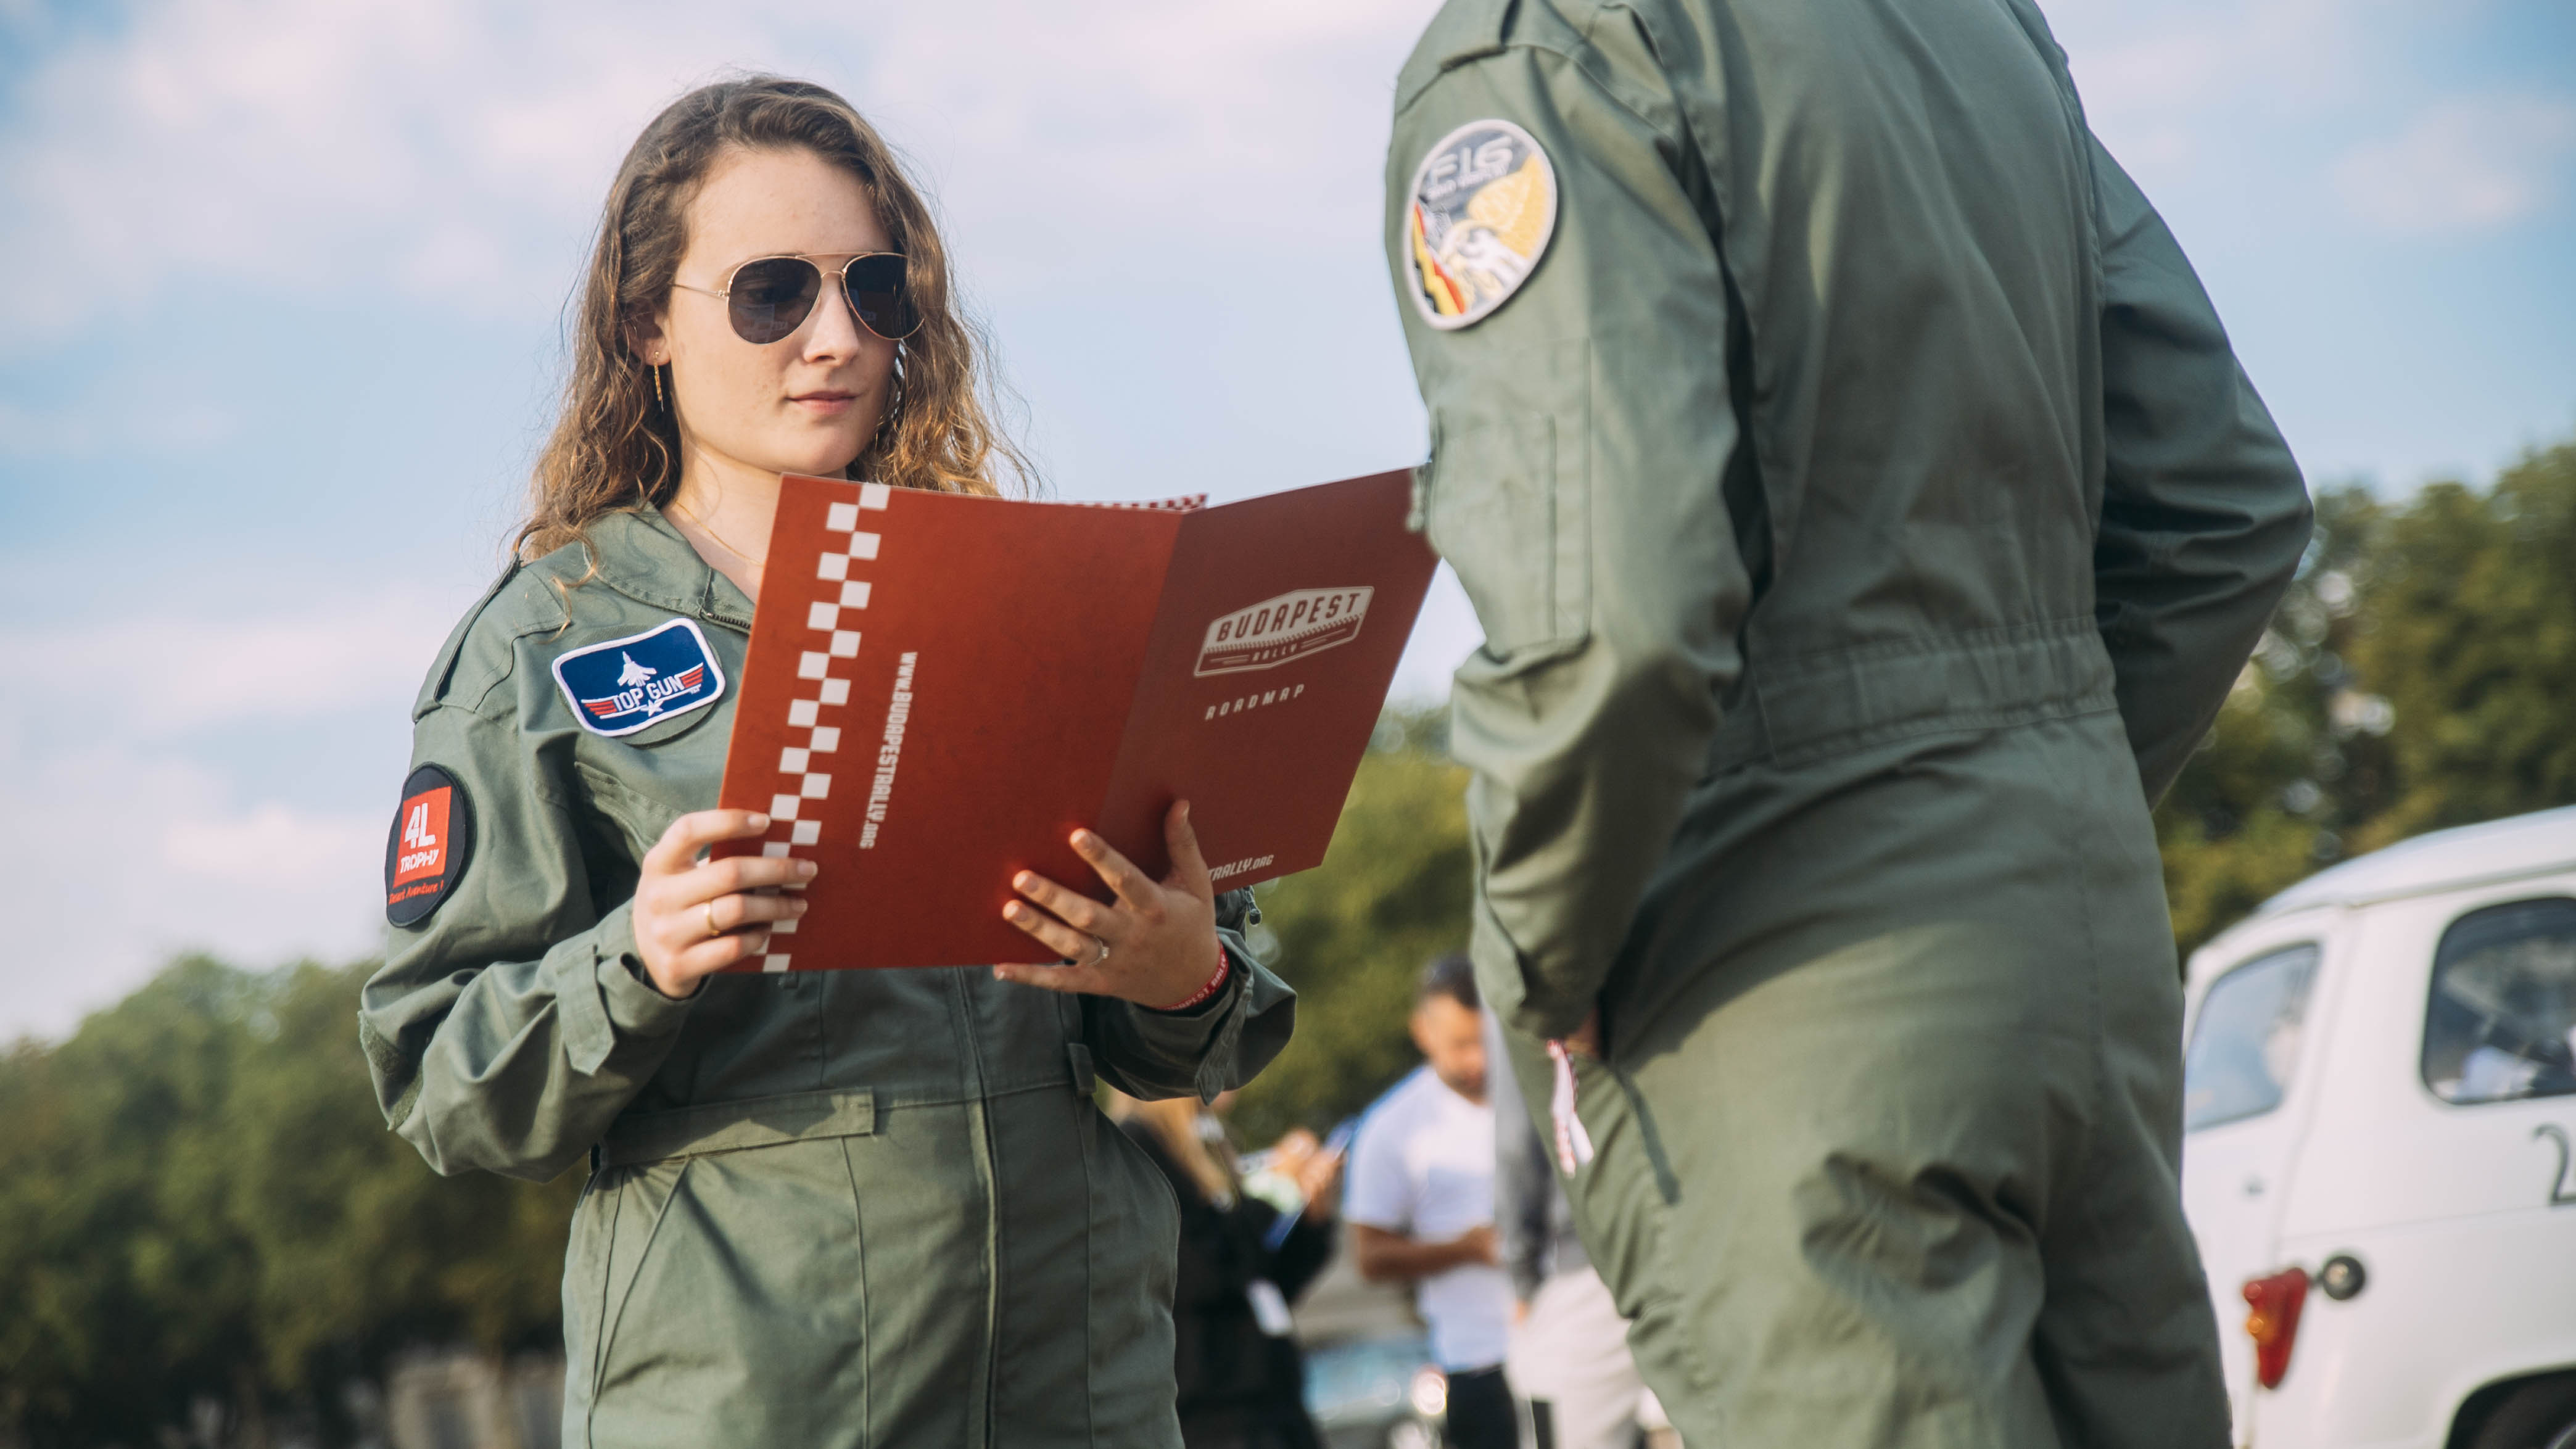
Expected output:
(2501, 1025)
(2245, 1042)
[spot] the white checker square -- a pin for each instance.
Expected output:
(874, 495)
(804, 712)
(792, 761)
(810, 665)
(774, 961)
(806, 832)
(783, 928)
(824, 616)
(817, 786)
(783, 807)
(854, 594)
(845, 643)
(827, 738)
(834, 566)
(841, 517)
(836, 691)
(864, 545)
(773, 849)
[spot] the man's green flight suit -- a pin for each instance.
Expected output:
(1866, 516)
(838, 1208)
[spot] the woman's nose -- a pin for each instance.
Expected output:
(835, 332)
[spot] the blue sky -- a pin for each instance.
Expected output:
(285, 280)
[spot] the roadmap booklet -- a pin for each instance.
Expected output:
(942, 688)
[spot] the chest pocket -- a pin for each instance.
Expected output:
(1507, 501)
(639, 783)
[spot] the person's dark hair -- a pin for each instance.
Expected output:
(1453, 976)
(614, 446)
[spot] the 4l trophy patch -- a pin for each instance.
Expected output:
(1482, 208)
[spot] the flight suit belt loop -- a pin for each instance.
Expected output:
(732, 1126)
(1799, 710)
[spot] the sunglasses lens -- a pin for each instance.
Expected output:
(771, 297)
(879, 295)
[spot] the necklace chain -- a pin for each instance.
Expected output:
(721, 541)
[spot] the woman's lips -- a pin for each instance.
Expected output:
(824, 402)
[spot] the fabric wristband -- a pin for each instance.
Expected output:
(1215, 984)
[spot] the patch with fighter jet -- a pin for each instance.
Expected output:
(634, 683)
(1479, 216)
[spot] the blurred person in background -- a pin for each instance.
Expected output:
(1569, 1354)
(1421, 1204)
(1243, 1260)
(825, 1208)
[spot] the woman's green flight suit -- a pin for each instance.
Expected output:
(844, 1207)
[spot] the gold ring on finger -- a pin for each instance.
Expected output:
(711, 920)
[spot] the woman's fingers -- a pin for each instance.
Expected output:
(1078, 911)
(1057, 978)
(1068, 943)
(1133, 887)
(737, 873)
(1189, 868)
(683, 838)
(735, 911)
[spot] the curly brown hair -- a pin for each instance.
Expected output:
(614, 447)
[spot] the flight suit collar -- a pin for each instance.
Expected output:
(639, 554)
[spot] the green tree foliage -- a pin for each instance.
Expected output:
(203, 1203)
(2421, 673)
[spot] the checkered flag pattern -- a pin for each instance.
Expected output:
(833, 596)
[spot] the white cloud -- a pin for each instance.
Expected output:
(2462, 166)
(273, 844)
(459, 151)
(126, 845)
(170, 674)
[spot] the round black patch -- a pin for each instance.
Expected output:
(426, 851)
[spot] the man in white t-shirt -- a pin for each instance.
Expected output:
(1420, 1202)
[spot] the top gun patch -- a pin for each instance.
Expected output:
(1482, 208)
(627, 684)
(433, 833)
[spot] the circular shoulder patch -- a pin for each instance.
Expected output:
(1482, 206)
(433, 834)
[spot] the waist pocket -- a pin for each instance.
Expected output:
(642, 1137)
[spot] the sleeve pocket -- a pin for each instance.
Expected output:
(1508, 507)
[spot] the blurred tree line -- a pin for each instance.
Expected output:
(202, 1204)
(2421, 673)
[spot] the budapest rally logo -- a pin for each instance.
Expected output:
(1274, 631)
(626, 684)
(1482, 207)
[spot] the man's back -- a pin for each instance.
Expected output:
(1866, 515)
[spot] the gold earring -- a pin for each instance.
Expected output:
(658, 400)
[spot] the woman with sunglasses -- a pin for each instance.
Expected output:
(845, 1207)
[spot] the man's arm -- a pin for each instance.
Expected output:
(1580, 436)
(2204, 515)
(1386, 1257)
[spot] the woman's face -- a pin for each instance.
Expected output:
(806, 403)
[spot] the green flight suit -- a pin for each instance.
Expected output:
(833, 1208)
(1867, 516)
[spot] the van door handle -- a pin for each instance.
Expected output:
(2254, 1187)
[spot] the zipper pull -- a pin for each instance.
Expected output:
(1573, 1143)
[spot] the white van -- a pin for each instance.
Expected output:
(2379, 1107)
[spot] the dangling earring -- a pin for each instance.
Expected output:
(658, 400)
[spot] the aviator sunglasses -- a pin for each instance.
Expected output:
(770, 297)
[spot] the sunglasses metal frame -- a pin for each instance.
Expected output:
(842, 272)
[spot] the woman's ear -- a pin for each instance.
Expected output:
(645, 340)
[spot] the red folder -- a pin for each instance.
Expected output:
(942, 688)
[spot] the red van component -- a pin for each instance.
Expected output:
(2274, 1323)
